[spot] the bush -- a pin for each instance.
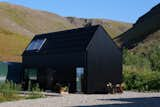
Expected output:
(9, 89)
(141, 81)
(140, 71)
(136, 60)
(35, 91)
(8, 92)
(154, 57)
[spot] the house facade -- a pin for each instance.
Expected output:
(83, 59)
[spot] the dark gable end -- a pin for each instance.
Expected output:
(104, 62)
(109, 37)
(112, 41)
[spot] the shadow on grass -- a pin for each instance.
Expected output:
(131, 102)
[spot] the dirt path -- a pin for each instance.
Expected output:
(131, 99)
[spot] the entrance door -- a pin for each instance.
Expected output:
(50, 79)
(79, 78)
(46, 78)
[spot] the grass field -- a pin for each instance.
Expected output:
(12, 45)
(19, 24)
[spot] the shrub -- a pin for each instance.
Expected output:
(9, 89)
(141, 81)
(136, 60)
(35, 92)
(154, 57)
(8, 92)
(140, 71)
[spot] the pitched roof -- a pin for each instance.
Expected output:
(65, 41)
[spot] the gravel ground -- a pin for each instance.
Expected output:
(131, 99)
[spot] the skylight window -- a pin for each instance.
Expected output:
(36, 44)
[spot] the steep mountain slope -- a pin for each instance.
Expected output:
(148, 43)
(146, 27)
(114, 28)
(19, 24)
(12, 45)
(26, 21)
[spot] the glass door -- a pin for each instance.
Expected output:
(31, 74)
(79, 78)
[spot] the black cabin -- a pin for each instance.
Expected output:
(84, 59)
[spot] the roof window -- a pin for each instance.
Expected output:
(36, 44)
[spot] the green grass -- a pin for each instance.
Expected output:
(9, 92)
(148, 43)
(12, 45)
(33, 20)
(141, 79)
(115, 28)
(13, 98)
(17, 22)
(142, 71)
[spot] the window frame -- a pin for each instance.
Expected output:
(36, 44)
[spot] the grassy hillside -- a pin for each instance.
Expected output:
(147, 44)
(12, 45)
(19, 24)
(141, 58)
(28, 22)
(145, 27)
(114, 28)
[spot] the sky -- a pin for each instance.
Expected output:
(120, 10)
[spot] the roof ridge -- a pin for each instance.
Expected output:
(75, 29)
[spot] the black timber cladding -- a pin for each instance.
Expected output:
(74, 40)
(89, 47)
(104, 62)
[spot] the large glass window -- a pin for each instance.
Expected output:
(36, 44)
(79, 78)
(31, 74)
